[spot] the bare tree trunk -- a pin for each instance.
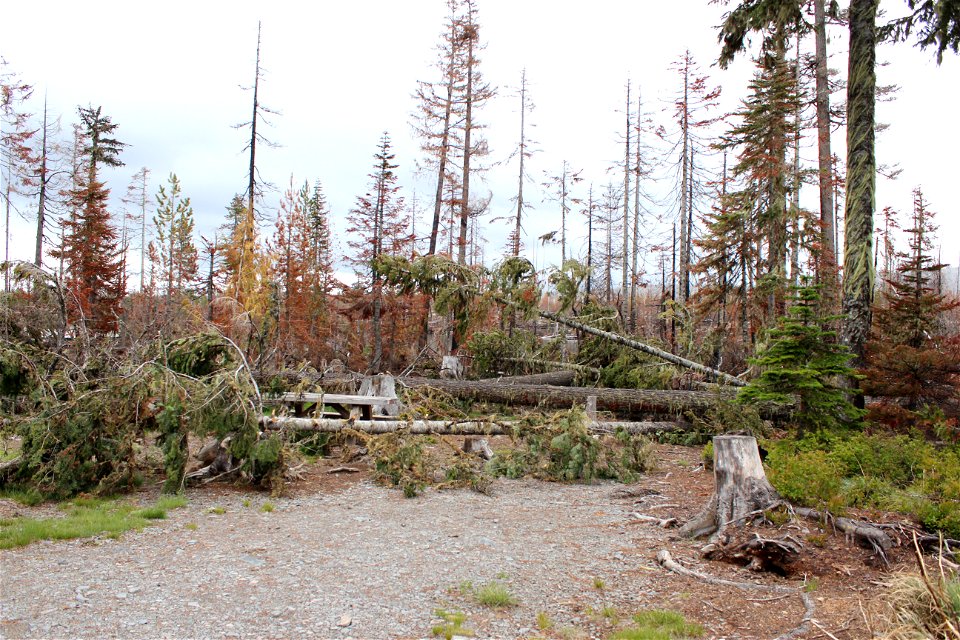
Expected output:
(635, 250)
(684, 181)
(443, 427)
(795, 196)
(467, 152)
(645, 348)
(523, 153)
(624, 286)
(42, 199)
(828, 222)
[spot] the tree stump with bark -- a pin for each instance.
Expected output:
(742, 489)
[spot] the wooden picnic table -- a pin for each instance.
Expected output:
(343, 404)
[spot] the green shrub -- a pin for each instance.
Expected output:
(808, 478)
(895, 473)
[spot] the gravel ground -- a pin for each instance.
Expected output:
(346, 558)
(365, 554)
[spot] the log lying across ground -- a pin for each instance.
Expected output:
(441, 427)
(623, 402)
(553, 378)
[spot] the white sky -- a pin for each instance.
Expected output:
(340, 73)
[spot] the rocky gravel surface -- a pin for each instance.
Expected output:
(353, 559)
(361, 563)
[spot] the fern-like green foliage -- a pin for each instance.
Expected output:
(802, 366)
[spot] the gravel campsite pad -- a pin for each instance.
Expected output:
(343, 557)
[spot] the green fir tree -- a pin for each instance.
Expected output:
(803, 366)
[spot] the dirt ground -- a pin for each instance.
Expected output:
(342, 557)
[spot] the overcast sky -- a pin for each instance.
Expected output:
(340, 73)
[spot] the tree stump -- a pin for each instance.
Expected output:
(742, 489)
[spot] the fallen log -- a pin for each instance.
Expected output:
(441, 427)
(552, 364)
(553, 378)
(716, 374)
(622, 402)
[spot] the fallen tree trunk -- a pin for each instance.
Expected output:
(442, 427)
(623, 402)
(552, 364)
(645, 348)
(553, 378)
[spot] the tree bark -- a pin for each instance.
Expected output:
(554, 378)
(858, 273)
(442, 427)
(742, 489)
(623, 402)
(828, 258)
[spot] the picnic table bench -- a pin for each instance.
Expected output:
(344, 405)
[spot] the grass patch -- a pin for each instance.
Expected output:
(610, 613)
(495, 595)
(192, 526)
(543, 621)
(925, 605)
(451, 624)
(172, 502)
(599, 584)
(266, 507)
(152, 513)
(83, 518)
(659, 624)
(217, 511)
(24, 495)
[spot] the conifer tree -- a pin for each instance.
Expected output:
(801, 366)
(245, 265)
(175, 250)
(909, 355)
(379, 225)
(15, 151)
(90, 249)
(766, 125)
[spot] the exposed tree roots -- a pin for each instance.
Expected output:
(665, 560)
